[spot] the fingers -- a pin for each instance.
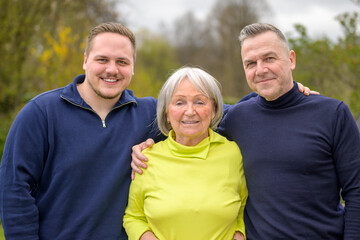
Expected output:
(132, 174)
(148, 143)
(137, 162)
(138, 159)
(306, 91)
(315, 92)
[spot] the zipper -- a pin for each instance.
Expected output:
(102, 121)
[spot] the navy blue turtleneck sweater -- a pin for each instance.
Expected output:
(298, 153)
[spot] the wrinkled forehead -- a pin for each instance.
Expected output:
(263, 42)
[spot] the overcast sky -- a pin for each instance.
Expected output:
(318, 16)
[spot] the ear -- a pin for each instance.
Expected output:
(213, 111)
(292, 59)
(85, 61)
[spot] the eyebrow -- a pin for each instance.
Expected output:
(269, 53)
(264, 55)
(197, 95)
(119, 58)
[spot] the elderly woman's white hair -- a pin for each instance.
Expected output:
(203, 81)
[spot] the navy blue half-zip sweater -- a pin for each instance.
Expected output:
(298, 152)
(65, 174)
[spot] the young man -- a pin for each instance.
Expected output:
(65, 170)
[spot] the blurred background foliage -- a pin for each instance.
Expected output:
(42, 45)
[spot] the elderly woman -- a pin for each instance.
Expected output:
(194, 187)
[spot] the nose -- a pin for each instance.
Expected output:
(190, 109)
(261, 68)
(111, 68)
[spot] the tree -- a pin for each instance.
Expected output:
(156, 58)
(331, 68)
(213, 44)
(41, 42)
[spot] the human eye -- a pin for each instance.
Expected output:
(101, 60)
(179, 102)
(250, 64)
(200, 102)
(270, 59)
(123, 62)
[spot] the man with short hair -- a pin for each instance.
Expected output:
(299, 152)
(65, 170)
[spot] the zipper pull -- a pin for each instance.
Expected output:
(103, 122)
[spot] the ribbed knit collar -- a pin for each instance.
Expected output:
(71, 94)
(287, 100)
(200, 151)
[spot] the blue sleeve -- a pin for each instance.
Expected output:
(154, 131)
(346, 150)
(20, 171)
(227, 107)
(247, 97)
(221, 128)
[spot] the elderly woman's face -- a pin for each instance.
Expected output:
(190, 112)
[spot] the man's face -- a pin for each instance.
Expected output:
(108, 66)
(268, 65)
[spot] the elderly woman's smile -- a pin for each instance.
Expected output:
(190, 112)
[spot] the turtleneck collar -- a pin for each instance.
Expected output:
(287, 100)
(199, 151)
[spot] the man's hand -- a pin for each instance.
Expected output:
(306, 90)
(138, 159)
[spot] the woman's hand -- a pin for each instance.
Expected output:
(148, 236)
(138, 158)
(238, 236)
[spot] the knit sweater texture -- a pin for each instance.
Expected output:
(65, 174)
(299, 153)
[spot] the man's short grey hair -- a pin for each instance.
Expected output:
(203, 81)
(255, 29)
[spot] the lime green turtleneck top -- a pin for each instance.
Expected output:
(189, 192)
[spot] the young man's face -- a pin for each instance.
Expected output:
(109, 65)
(268, 65)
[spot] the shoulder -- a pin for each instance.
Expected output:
(322, 99)
(48, 96)
(159, 147)
(243, 105)
(225, 144)
(42, 102)
(322, 103)
(148, 102)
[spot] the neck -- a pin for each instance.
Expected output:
(189, 141)
(100, 105)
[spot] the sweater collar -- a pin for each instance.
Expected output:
(200, 151)
(287, 100)
(71, 94)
